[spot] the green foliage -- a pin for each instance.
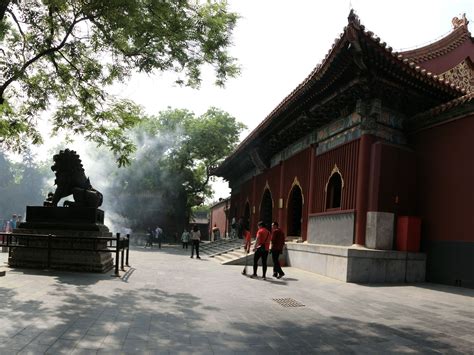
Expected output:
(21, 184)
(200, 143)
(170, 171)
(62, 56)
(201, 208)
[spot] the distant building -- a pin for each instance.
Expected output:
(371, 143)
(218, 216)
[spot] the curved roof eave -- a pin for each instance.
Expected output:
(353, 28)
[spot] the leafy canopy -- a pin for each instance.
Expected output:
(171, 170)
(61, 56)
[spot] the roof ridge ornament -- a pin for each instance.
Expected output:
(459, 22)
(353, 19)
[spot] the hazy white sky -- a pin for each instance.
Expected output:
(279, 42)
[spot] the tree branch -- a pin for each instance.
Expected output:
(202, 186)
(20, 30)
(39, 56)
(71, 64)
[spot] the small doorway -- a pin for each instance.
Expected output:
(266, 208)
(295, 212)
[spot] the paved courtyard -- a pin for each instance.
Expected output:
(169, 303)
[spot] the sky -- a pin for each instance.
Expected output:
(277, 44)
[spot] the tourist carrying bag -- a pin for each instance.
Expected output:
(261, 248)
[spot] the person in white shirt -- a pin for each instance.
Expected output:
(195, 240)
(159, 236)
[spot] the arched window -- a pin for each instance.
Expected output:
(334, 190)
(295, 210)
(266, 207)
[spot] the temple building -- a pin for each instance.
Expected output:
(367, 164)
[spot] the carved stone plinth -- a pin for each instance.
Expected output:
(69, 251)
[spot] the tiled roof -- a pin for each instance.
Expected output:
(441, 47)
(446, 106)
(354, 26)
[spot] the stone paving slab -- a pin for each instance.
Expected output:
(168, 303)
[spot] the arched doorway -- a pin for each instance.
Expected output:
(334, 191)
(295, 212)
(247, 216)
(266, 208)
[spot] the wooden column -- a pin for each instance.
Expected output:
(362, 189)
(253, 207)
(309, 202)
(281, 219)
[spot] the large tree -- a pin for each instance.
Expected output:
(170, 172)
(62, 55)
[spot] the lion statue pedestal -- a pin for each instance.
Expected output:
(71, 252)
(80, 225)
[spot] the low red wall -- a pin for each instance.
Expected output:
(445, 172)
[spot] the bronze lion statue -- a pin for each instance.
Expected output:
(71, 180)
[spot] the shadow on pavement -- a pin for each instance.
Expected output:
(462, 291)
(143, 319)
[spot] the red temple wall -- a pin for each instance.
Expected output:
(345, 157)
(272, 176)
(246, 192)
(246, 195)
(392, 179)
(218, 218)
(445, 180)
(280, 186)
(298, 166)
(235, 206)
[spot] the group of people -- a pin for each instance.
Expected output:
(194, 237)
(266, 242)
(154, 234)
(11, 224)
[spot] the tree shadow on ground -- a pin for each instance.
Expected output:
(140, 319)
(64, 312)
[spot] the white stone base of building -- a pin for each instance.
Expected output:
(357, 264)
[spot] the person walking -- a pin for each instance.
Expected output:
(185, 239)
(195, 240)
(159, 236)
(261, 248)
(248, 242)
(216, 232)
(278, 242)
(149, 238)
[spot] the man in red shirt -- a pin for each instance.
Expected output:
(278, 242)
(262, 247)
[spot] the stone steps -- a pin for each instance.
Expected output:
(219, 247)
(229, 252)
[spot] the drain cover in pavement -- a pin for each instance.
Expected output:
(288, 302)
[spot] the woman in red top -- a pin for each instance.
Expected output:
(262, 247)
(247, 240)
